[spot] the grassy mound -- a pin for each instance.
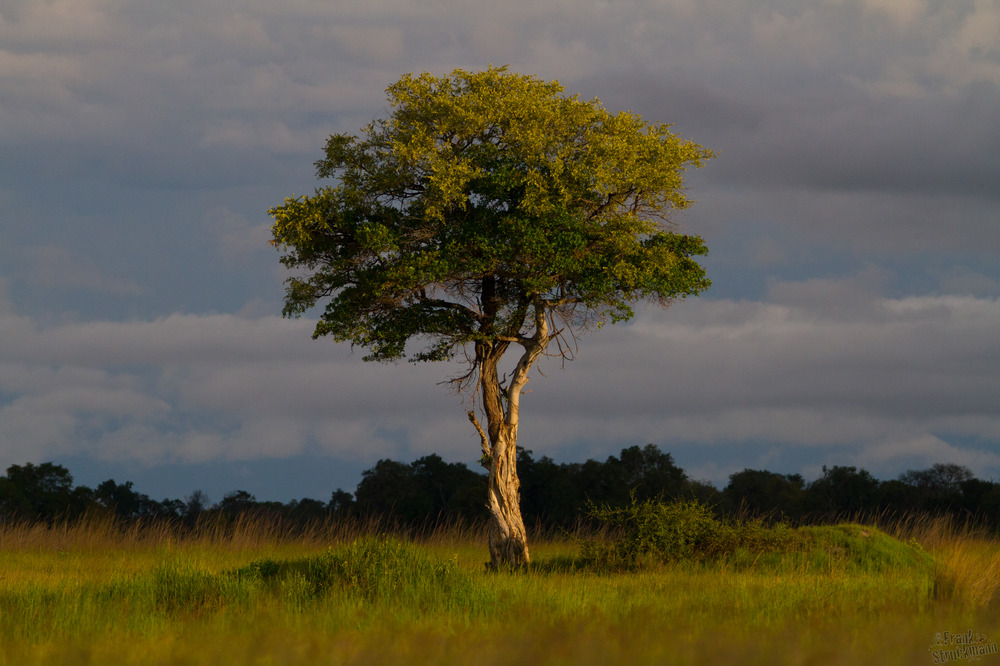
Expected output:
(650, 533)
(370, 568)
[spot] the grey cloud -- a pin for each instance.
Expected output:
(200, 387)
(871, 224)
(239, 238)
(831, 136)
(966, 281)
(709, 371)
(913, 359)
(207, 77)
(856, 297)
(852, 142)
(926, 450)
(847, 383)
(143, 142)
(56, 268)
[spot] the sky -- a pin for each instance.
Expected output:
(852, 217)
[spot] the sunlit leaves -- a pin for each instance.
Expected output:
(480, 193)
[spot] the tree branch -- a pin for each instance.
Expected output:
(484, 441)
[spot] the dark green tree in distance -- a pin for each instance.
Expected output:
(843, 490)
(42, 492)
(127, 503)
(939, 479)
(762, 493)
(429, 489)
(489, 212)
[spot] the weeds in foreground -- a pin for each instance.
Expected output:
(251, 594)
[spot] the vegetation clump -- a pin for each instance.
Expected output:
(370, 568)
(652, 532)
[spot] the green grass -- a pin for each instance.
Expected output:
(93, 594)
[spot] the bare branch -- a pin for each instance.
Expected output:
(484, 441)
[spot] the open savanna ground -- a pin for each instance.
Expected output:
(95, 593)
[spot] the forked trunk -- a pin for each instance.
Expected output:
(507, 536)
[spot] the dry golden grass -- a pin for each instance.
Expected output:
(245, 531)
(966, 559)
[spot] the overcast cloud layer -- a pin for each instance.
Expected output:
(853, 216)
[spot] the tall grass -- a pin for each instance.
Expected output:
(966, 558)
(247, 592)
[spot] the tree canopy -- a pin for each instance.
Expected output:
(484, 194)
(488, 210)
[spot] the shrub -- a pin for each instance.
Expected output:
(652, 532)
(650, 529)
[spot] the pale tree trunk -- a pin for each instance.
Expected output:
(508, 539)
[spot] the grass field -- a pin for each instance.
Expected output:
(96, 594)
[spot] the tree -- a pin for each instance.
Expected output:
(763, 493)
(195, 504)
(341, 503)
(237, 502)
(844, 490)
(941, 480)
(428, 489)
(489, 211)
(123, 500)
(551, 495)
(389, 490)
(651, 473)
(41, 492)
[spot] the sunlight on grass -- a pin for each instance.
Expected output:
(245, 595)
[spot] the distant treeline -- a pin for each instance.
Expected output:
(553, 495)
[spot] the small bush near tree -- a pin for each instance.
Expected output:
(653, 530)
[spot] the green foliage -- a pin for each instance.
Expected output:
(370, 568)
(379, 568)
(652, 532)
(482, 196)
(863, 548)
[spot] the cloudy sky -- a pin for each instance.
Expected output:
(853, 219)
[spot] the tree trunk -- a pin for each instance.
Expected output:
(507, 536)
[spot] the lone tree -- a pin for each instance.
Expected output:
(489, 210)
